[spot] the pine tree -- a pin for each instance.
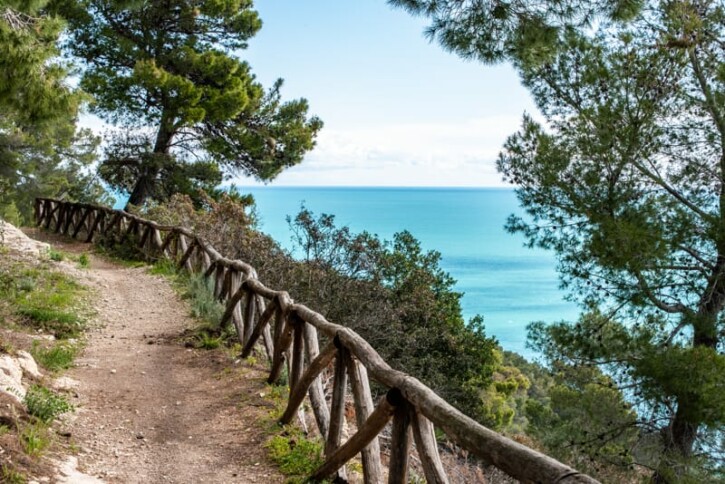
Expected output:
(626, 182)
(173, 66)
(41, 154)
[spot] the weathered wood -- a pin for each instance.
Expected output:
(114, 220)
(337, 405)
(229, 311)
(210, 268)
(184, 262)
(425, 443)
(158, 245)
(400, 446)
(81, 222)
(99, 217)
(517, 460)
(284, 340)
(66, 218)
(219, 277)
(62, 217)
(266, 332)
(206, 262)
(226, 291)
(144, 237)
(165, 249)
(316, 393)
(297, 395)
(259, 328)
(132, 227)
(298, 353)
(372, 467)
(51, 211)
(369, 430)
(250, 313)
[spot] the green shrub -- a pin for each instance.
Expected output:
(207, 341)
(58, 357)
(164, 267)
(44, 404)
(56, 255)
(204, 305)
(83, 261)
(296, 455)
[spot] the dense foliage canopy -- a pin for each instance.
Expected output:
(624, 179)
(41, 154)
(172, 67)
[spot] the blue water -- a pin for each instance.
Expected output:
(505, 282)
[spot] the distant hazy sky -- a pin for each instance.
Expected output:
(398, 110)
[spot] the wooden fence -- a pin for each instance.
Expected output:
(289, 333)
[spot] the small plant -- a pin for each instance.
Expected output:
(296, 455)
(207, 341)
(204, 305)
(25, 284)
(11, 476)
(83, 261)
(56, 255)
(35, 438)
(62, 324)
(58, 357)
(44, 404)
(164, 267)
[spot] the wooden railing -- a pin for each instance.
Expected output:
(289, 333)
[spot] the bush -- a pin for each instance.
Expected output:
(296, 455)
(44, 404)
(393, 294)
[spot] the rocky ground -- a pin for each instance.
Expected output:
(148, 408)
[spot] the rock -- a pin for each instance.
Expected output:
(68, 473)
(11, 375)
(17, 240)
(65, 384)
(11, 410)
(113, 371)
(28, 365)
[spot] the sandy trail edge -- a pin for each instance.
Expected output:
(150, 410)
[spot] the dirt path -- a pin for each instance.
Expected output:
(151, 410)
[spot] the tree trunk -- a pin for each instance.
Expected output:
(679, 437)
(146, 183)
(142, 191)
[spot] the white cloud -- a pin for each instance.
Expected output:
(398, 154)
(412, 154)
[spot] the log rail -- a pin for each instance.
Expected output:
(289, 333)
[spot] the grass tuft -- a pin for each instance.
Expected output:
(164, 267)
(11, 476)
(83, 261)
(58, 357)
(35, 438)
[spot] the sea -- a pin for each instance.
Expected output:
(507, 283)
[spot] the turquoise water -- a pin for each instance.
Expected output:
(505, 282)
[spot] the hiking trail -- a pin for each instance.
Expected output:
(148, 408)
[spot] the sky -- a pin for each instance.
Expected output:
(398, 109)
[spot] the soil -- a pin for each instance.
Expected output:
(148, 408)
